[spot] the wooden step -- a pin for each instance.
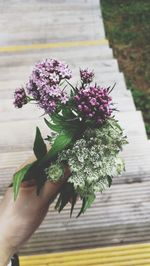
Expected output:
(122, 213)
(136, 156)
(122, 102)
(132, 153)
(42, 34)
(68, 54)
(118, 216)
(7, 87)
(53, 16)
(125, 255)
(42, 24)
(53, 6)
(100, 66)
(17, 135)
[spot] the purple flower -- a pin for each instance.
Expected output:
(94, 102)
(49, 105)
(86, 75)
(20, 97)
(64, 98)
(44, 84)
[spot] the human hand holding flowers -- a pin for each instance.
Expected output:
(87, 137)
(19, 219)
(83, 158)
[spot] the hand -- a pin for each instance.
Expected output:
(19, 219)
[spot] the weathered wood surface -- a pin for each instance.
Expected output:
(121, 214)
(44, 21)
(104, 79)
(24, 71)
(122, 101)
(115, 218)
(125, 255)
(67, 54)
(18, 135)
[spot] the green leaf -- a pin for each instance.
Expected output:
(65, 195)
(74, 199)
(82, 207)
(56, 128)
(71, 93)
(57, 118)
(18, 178)
(73, 88)
(58, 203)
(109, 178)
(86, 203)
(60, 143)
(67, 113)
(39, 145)
(89, 201)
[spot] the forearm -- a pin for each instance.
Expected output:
(23, 215)
(5, 253)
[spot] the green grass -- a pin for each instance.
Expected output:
(127, 24)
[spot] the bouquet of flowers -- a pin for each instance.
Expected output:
(84, 135)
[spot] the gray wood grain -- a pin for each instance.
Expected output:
(121, 214)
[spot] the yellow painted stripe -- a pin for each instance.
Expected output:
(128, 255)
(18, 48)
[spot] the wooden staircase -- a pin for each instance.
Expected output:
(72, 31)
(128, 255)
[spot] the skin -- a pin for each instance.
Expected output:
(19, 219)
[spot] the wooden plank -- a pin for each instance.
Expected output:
(53, 22)
(132, 255)
(77, 53)
(17, 135)
(75, 32)
(121, 214)
(29, 112)
(51, 6)
(109, 65)
(131, 153)
(7, 87)
(118, 216)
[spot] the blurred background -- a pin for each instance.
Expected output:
(111, 37)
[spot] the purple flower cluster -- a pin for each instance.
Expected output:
(94, 102)
(44, 84)
(86, 75)
(20, 97)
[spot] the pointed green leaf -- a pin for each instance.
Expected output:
(86, 203)
(82, 207)
(67, 113)
(71, 93)
(56, 128)
(89, 202)
(39, 145)
(73, 88)
(74, 199)
(58, 203)
(18, 178)
(109, 178)
(60, 143)
(57, 118)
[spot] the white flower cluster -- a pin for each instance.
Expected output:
(94, 159)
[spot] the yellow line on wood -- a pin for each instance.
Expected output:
(128, 255)
(17, 48)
